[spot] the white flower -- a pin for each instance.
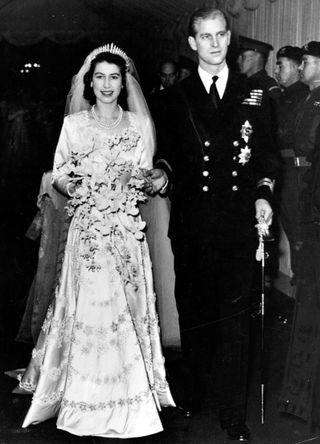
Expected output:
(106, 186)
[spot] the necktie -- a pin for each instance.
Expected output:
(214, 92)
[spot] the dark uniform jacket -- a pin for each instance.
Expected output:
(306, 124)
(217, 158)
(311, 195)
(268, 84)
(272, 92)
(290, 100)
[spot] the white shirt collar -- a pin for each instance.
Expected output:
(221, 83)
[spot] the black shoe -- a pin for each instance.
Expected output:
(188, 410)
(237, 432)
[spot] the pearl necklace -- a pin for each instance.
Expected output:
(108, 125)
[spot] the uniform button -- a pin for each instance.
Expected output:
(234, 158)
(234, 173)
(234, 188)
(235, 143)
(205, 188)
(205, 173)
(207, 143)
(206, 158)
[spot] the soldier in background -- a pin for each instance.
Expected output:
(252, 62)
(300, 394)
(293, 92)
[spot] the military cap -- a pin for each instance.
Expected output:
(311, 48)
(246, 43)
(185, 62)
(290, 52)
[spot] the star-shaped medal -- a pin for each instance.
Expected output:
(245, 155)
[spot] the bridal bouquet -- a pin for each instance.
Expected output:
(107, 195)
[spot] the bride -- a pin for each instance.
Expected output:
(98, 364)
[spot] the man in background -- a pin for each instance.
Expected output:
(167, 75)
(186, 67)
(252, 62)
(293, 92)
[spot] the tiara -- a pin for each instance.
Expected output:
(112, 49)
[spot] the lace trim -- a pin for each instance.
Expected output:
(28, 386)
(49, 400)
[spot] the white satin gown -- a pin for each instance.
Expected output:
(98, 364)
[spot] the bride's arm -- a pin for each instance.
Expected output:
(60, 174)
(148, 141)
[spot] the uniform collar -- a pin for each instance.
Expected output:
(259, 74)
(221, 83)
(296, 86)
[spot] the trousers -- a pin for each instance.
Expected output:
(212, 293)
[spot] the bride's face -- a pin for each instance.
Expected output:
(106, 82)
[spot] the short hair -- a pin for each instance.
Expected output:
(115, 59)
(205, 13)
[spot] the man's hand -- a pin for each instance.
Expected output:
(156, 180)
(263, 210)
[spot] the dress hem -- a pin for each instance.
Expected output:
(114, 435)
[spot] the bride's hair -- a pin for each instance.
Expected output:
(108, 57)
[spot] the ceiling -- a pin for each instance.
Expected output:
(25, 22)
(146, 11)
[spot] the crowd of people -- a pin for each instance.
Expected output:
(225, 152)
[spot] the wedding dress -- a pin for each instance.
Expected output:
(98, 364)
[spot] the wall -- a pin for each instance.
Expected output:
(282, 22)
(279, 22)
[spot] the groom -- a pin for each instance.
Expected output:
(215, 158)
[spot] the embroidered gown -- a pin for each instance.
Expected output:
(98, 364)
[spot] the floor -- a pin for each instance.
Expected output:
(17, 264)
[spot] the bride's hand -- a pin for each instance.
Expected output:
(72, 185)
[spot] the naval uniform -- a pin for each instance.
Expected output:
(219, 161)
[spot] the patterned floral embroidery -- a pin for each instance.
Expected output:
(54, 373)
(127, 140)
(50, 399)
(121, 376)
(37, 355)
(28, 386)
(89, 407)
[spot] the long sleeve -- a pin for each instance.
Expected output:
(148, 141)
(60, 176)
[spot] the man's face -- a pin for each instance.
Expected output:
(286, 71)
(168, 74)
(310, 70)
(246, 61)
(211, 43)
